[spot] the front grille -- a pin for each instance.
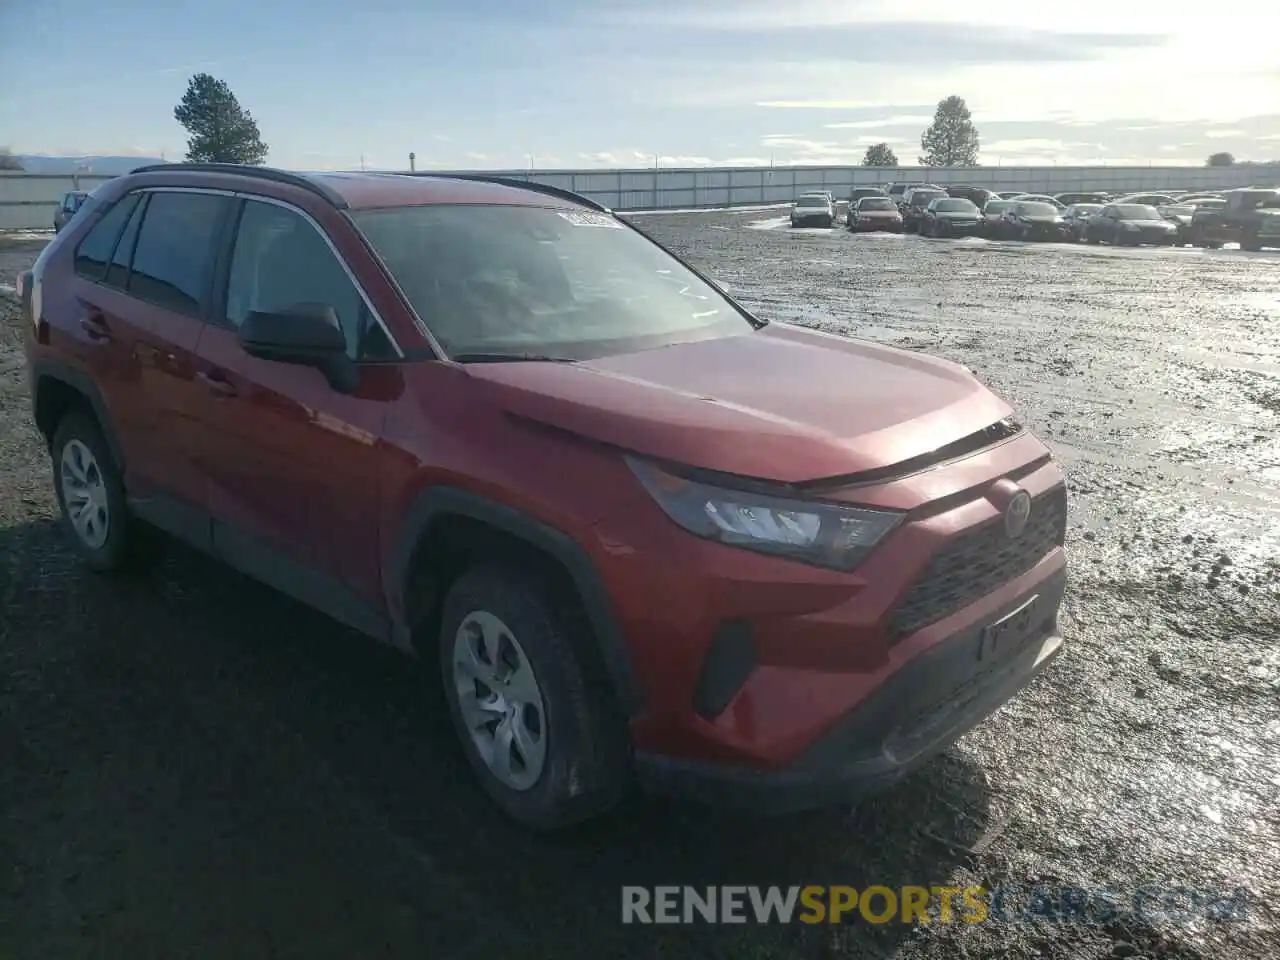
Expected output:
(980, 561)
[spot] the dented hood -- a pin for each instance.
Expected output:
(783, 403)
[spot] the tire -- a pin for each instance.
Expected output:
(83, 467)
(584, 766)
(1249, 242)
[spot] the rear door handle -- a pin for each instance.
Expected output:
(95, 324)
(218, 385)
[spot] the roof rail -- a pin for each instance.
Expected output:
(260, 173)
(518, 184)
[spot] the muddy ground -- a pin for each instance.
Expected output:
(192, 766)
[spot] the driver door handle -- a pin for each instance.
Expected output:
(217, 384)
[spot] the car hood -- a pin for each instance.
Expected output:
(1040, 218)
(783, 403)
(878, 213)
(958, 214)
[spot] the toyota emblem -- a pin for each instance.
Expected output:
(1017, 513)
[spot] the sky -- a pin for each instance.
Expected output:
(508, 84)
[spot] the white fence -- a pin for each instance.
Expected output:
(28, 201)
(689, 188)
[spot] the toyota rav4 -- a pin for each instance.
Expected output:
(646, 536)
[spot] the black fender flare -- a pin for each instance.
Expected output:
(43, 369)
(438, 501)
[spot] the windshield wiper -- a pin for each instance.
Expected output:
(509, 358)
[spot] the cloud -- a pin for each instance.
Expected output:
(902, 120)
(820, 104)
(1223, 134)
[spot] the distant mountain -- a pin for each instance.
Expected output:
(108, 166)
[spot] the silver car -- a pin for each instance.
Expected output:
(813, 209)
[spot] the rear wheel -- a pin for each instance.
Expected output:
(90, 492)
(528, 700)
(1249, 241)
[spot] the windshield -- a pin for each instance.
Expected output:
(956, 206)
(1087, 207)
(1035, 209)
(1137, 211)
(567, 284)
(876, 203)
(812, 201)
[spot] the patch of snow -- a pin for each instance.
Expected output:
(773, 223)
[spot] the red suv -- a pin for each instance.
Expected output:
(648, 537)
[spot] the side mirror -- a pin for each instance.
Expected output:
(307, 334)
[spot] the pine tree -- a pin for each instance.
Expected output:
(221, 130)
(952, 139)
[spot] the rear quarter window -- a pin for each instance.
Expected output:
(95, 250)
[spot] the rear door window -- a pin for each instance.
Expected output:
(174, 255)
(94, 251)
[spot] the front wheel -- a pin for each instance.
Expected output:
(529, 699)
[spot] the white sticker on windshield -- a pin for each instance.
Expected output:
(582, 218)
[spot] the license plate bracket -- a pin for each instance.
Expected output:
(1010, 633)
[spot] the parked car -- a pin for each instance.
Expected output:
(71, 202)
(1008, 194)
(913, 205)
(1197, 197)
(1179, 214)
(856, 194)
(951, 217)
(1130, 224)
(1147, 199)
(813, 209)
(1041, 198)
(875, 214)
(1077, 215)
(831, 197)
(1072, 199)
(396, 399)
(897, 188)
(1032, 220)
(978, 195)
(993, 217)
(1248, 216)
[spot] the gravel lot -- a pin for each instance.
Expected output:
(192, 766)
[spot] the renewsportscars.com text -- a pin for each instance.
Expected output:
(917, 904)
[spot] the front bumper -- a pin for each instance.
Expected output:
(917, 713)
(1045, 233)
(963, 229)
(882, 225)
(821, 219)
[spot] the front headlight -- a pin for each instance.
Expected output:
(824, 534)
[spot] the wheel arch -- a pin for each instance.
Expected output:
(56, 390)
(426, 557)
